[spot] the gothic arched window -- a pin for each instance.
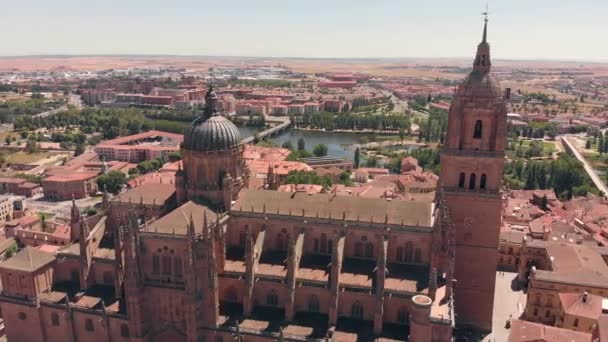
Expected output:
(323, 243)
(272, 299)
(402, 315)
(88, 325)
(417, 256)
(54, 319)
(357, 311)
(124, 330)
(478, 129)
(461, 180)
(472, 181)
(409, 251)
(399, 253)
(482, 181)
(369, 250)
(280, 242)
(313, 304)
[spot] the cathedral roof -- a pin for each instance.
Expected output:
(214, 134)
(211, 131)
(147, 194)
(177, 221)
(28, 259)
(410, 213)
(480, 84)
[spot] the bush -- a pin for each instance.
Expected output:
(320, 150)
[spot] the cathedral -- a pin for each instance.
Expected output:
(206, 259)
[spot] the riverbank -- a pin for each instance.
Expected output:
(355, 131)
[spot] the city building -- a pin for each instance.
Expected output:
(207, 258)
(550, 268)
(580, 311)
(20, 186)
(139, 147)
(522, 331)
(62, 187)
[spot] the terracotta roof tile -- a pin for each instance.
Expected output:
(177, 221)
(411, 213)
(28, 259)
(147, 193)
(522, 331)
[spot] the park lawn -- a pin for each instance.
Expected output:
(26, 158)
(548, 146)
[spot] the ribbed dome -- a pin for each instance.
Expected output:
(480, 85)
(214, 134)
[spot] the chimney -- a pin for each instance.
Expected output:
(508, 93)
(585, 296)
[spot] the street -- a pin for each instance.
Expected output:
(592, 174)
(74, 100)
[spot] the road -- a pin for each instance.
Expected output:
(571, 148)
(74, 100)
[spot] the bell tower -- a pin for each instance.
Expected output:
(472, 162)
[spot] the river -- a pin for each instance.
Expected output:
(338, 144)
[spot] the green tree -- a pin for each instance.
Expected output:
(174, 156)
(79, 150)
(301, 144)
(307, 177)
(357, 158)
(113, 181)
(568, 173)
(401, 135)
(7, 140)
(288, 145)
(588, 144)
(372, 161)
(320, 150)
(31, 146)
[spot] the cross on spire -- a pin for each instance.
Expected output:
(485, 24)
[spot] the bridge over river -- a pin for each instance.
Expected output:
(282, 123)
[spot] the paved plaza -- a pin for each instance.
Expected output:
(509, 301)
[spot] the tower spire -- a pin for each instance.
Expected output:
(485, 24)
(482, 60)
(210, 108)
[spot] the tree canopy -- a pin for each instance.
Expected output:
(113, 181)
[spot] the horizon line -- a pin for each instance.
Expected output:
(523, 59)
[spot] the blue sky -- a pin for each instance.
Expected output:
(518, 29)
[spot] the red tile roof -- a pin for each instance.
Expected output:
(522, 331)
